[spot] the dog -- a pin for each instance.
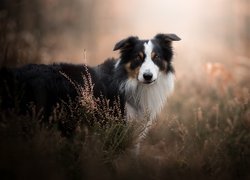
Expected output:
(146, 76)
(142, 78)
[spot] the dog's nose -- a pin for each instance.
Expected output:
(147, 76)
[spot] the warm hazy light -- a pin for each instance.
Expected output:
(86, 31)
(209, 29)
(201, 133)
(204, 26)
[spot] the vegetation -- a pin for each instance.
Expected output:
(204, 135)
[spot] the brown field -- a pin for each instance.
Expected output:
(203, 131)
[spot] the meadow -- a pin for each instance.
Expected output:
(202, 133)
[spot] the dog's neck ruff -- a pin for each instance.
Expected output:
(146, 101)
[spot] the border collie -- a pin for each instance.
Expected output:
(143, 78)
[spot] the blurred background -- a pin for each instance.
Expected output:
(206, 123)
(215, 34)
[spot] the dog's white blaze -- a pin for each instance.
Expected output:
(148, 66)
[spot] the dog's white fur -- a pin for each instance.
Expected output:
(147, 100)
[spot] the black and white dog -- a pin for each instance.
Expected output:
(142, 78)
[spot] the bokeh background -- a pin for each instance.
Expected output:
(205, 127)
(61, 30)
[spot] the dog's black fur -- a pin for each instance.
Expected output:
(47, 85)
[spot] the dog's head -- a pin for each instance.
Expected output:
(144, 60)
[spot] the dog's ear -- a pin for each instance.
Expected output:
(167, 38)
(125, 43)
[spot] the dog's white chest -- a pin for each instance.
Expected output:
(146, 101)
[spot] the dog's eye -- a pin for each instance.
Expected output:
(157, 57)
(138, 58)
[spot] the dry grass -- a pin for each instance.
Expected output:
(204, 135)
